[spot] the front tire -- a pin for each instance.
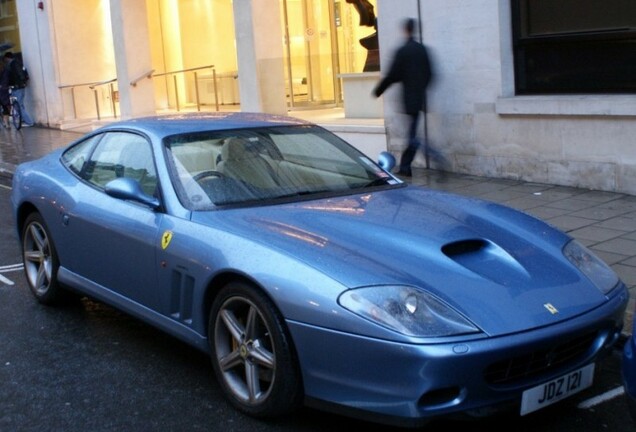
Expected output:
(16, 114)
(40, 260)
(252, 353)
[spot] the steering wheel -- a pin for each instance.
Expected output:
(208, 173)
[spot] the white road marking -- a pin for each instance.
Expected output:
(12, 267)
(5, 187)
(608, 395)
(7, 269)
(5, 281)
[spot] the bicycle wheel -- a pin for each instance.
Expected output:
(16, 114)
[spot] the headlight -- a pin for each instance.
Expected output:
(593, 267)
(406, 310)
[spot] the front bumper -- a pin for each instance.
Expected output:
(407, 384)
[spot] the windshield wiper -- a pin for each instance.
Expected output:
(301, 193)
(380, 181)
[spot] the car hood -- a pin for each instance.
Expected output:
(501, 268)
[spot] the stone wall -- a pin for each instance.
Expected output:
(479, 124)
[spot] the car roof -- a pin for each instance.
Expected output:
(165, 125)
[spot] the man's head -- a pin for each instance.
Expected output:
(409, 27)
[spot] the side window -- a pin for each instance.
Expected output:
(75, 157)
(122, 154)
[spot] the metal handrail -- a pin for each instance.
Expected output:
(88, 84)
(184, 70)
(148, 75)
(92, 86)
(196, 84)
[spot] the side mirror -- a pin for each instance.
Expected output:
(386, 161)
(128, 189)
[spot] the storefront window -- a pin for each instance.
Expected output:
(9, 34)
(574, 46)
(193, 54)
(356, 23)
(324, 38)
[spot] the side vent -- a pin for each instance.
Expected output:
(182, 288)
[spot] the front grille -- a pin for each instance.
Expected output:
(539, 362)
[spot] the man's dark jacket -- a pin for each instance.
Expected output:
(18, 77)
(411, 66)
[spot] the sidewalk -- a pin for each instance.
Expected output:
(28, 144)
(603, 221)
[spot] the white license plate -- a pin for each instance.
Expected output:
(553, 391)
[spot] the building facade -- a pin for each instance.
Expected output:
(535, 90)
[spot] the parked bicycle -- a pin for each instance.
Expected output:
(15, 110)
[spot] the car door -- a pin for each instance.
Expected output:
(113, 239)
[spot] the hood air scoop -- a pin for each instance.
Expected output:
(486, 259)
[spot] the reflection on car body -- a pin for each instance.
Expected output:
(629, 371)
(310, 274)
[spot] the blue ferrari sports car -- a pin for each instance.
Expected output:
(311, 275)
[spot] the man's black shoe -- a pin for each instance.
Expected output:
(405, 173)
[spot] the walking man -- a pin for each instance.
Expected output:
(411, 66)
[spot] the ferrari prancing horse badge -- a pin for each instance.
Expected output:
(165, 239)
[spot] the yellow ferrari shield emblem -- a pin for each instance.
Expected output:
(551, 308)
(165, 239)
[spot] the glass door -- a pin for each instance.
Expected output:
(311, 53)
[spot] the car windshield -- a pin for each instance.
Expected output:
(263, 164)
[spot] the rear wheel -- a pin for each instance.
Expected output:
(40, 260)
(16, 114)
(252, 352)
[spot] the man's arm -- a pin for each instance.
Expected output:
(394, 75)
